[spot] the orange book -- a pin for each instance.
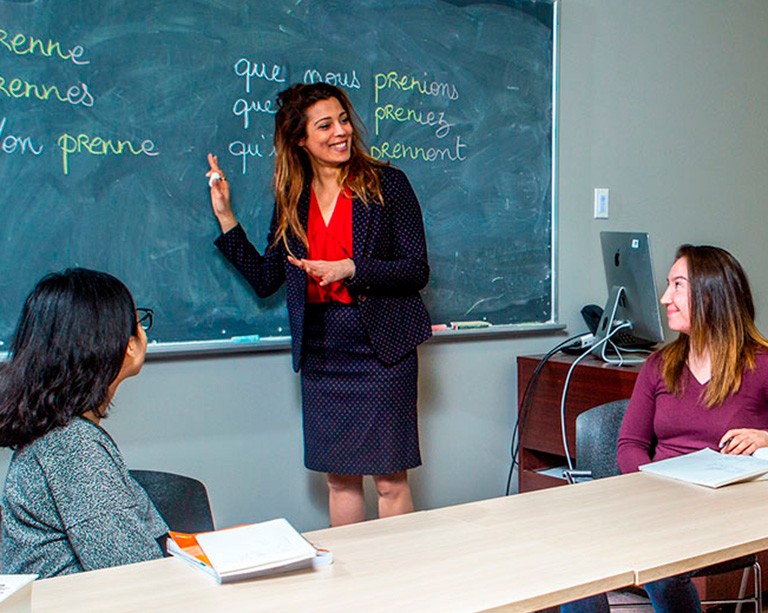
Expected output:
(245, 552)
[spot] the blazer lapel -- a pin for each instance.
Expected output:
(361, 217)
(303, 209)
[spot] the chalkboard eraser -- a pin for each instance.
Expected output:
(439, 327)
(248, 338)
(468, 325)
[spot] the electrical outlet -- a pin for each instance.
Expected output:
(602, 200)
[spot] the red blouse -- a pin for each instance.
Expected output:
(332, 242)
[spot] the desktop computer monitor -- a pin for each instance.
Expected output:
(633, 303)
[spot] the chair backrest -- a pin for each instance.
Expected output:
(181, 501)
(597, 432)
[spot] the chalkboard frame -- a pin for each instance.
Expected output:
(172, 349)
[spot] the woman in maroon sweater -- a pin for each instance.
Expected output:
(707, 388)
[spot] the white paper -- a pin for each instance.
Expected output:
(269, 543)
(708, 467)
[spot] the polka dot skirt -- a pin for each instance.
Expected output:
(360, 415)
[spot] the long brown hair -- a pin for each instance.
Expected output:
(293, 169)
(722, 321)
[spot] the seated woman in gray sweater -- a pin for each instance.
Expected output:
(69, 503)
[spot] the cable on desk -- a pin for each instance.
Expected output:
(620, 359)
(603, 341)
(525, 402)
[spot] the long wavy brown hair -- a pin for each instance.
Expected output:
(293, 169)
(722, 321)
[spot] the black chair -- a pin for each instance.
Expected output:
(181, 501)
(597, 434)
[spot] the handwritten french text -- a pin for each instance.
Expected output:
(244, 108)
(21, 44)
(245, 151)
(12, 143)
(339, 79)
(248, 70)
(95, 145)
(390, 112)
(400, 151)
(20, 88)
(394, 80)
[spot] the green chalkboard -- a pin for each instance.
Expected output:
(108, 108)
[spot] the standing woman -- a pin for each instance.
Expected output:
(347, 238)
(707, 388)
(69, 503)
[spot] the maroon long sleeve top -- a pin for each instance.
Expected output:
(659, 425)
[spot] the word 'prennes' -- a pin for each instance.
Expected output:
(21, 88)
(21, 44)
(95, 145)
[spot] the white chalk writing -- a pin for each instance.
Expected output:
(244, 108)
(248, 70)
(12, 143)
(339, 79)
(246, 151)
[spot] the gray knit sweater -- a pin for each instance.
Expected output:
(69, 504)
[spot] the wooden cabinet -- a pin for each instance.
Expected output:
(540, 440)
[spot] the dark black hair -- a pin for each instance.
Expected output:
(68, 348)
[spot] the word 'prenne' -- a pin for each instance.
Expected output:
(20, 44)
(95, 145)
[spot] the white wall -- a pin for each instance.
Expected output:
(662, 102)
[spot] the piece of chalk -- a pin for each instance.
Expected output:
(249, 338)
(439, 327)
(215, 176)
(466, 325)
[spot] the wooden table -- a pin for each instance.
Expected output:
(518, 553)
(541, 446)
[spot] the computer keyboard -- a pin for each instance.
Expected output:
(627, 340)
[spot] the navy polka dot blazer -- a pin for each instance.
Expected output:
(390, 254)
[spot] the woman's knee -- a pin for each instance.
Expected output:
(592, 604)
(391, 485)
(674, 594)
(344, 483)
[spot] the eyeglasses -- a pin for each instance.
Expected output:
(145, 317)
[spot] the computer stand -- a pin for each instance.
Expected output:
(607, 327)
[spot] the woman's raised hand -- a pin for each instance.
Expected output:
(220, 200)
